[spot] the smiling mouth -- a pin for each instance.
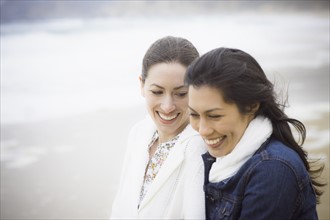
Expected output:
(213, 142)
(168, 117)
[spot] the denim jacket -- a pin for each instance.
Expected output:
(272, 184)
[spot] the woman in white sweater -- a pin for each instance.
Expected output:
(162, 177)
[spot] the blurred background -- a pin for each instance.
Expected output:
(70, 90)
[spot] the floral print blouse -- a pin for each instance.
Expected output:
(156, 162)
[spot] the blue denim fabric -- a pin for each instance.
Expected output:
(273, 184)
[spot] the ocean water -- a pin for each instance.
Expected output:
(70, 93)
(63, 67)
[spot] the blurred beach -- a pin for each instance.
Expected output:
(70, 93)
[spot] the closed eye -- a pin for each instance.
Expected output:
(215, 116)
(194, 115)
(156, 92)
(182, 94)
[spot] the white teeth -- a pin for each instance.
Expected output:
(167, 117)
(213, 141)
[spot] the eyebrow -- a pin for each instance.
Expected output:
(208, 111)
(176, 88)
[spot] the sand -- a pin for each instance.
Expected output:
(69, 167)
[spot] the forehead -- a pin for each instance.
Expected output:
(205, 97)
(205, 92)
(164, 73)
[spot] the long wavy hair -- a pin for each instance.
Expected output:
(242, 81)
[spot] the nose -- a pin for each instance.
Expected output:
(167, 104)
(204, 128)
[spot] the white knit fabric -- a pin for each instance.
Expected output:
(258, 131)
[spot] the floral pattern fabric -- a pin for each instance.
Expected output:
(156, 162)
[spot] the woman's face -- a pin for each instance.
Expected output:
(220, 124)
(167, 98)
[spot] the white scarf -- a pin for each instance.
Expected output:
(258, 131)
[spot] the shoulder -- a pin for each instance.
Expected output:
(143, 127)
(190, 136)
(140, 134)
(191, 139)
(276, 150)
(277, 156)
(143, 123)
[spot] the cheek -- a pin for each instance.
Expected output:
(182, 105)
(235, 132)
(151, 100)
(223, 128)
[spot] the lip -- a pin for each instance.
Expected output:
(215, 145)
(164, 121)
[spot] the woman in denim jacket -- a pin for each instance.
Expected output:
(254, 168)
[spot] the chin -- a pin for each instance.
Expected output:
(214, 153)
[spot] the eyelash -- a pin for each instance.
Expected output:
(157, 92)
(181, 94)
(194, 115)
(215, 116)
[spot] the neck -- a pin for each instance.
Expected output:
(165, 137)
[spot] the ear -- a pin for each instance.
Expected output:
(254, 107)
(141, 86)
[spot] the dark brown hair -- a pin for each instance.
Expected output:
(166, 50)
(242, 81)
